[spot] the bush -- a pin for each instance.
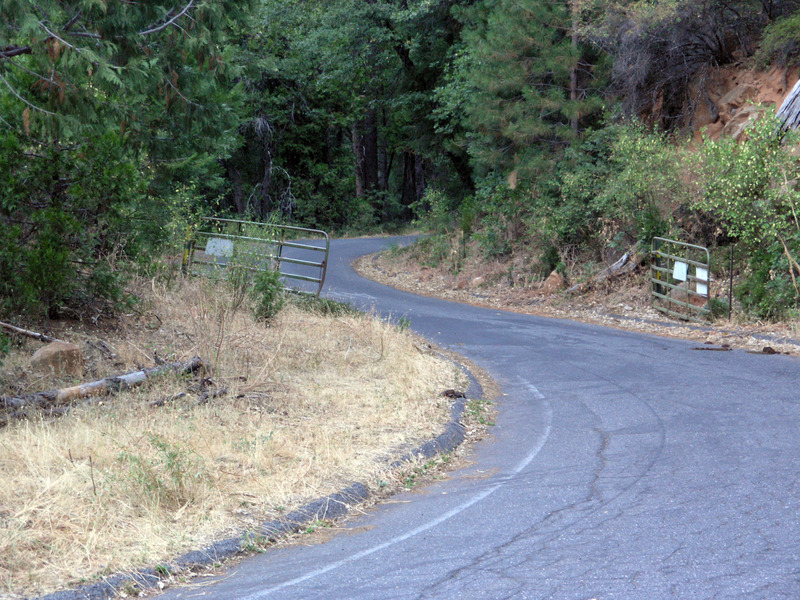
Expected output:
(747, 185)
(66, 215)
(779, 43)
(267, 294)
(505, 214)
(616, 188)
(768, 291)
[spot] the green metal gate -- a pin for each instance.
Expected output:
(681, 279)
(299, 254)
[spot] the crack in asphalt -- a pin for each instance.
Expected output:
(589, 504)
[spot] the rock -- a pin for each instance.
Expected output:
(477, 282)
(59, 358)
(554, 283)
(680, 294)
(741, 121)
(738, 96)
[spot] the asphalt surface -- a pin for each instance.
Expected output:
(621, 466)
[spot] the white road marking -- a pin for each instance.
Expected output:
(432, 523)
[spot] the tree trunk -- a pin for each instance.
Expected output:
(383, 158)
(54, 398)
(408, 187)
(413, 186)
(235, 177)
(461, 164)
(419, 177)
(370, 144)
(573, 76)
(264, 199)
(358, 159)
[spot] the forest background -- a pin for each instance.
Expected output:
(567, 127)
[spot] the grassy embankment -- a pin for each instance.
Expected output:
(313, 401)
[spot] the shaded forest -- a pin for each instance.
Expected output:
(565, 127)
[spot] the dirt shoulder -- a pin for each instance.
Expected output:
(622, 303)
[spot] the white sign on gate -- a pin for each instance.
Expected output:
(219, 247)
(702, 280)
(680, 271)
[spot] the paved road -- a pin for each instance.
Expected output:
(622, 466)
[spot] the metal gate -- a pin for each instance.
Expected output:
(297, 253)
(681, 278)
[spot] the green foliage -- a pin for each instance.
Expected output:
(521, 84)
(505, 215)
(436, 211)
(108, 111)
(549, 261)
(768, 291)
(618, 187)
(341, 92)
(747, 183)
(267, 294)
(748, 186)
(162, 473)
(779, 43)
(69, 211)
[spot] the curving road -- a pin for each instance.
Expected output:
(622, 466)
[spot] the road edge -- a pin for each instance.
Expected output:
(329, 507)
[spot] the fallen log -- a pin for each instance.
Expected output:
(53, 398)
(32, 334)
(627, 262)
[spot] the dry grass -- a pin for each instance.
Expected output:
(313, 402)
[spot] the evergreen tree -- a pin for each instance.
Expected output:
(346, 88)
(108, 108)
(522, 84)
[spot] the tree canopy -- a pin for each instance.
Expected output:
(118, 118)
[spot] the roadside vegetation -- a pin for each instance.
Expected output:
(623, 186)
(282, 413)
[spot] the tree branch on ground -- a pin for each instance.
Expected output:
(19, 407)
(32, 334)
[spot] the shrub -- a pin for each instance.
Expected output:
(267, 294)
(66, 215)
(616, 188)
(748, 185)
(779, 43)
(505, 214)
(768, 291)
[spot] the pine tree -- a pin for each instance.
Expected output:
(523, 82)
(107, 109)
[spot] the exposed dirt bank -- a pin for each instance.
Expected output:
(622, 303)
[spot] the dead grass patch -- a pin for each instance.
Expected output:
(313, 402)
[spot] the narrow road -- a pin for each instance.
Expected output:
(622, 466)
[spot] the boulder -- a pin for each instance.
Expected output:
(58, 358)
(741, 121)
(738, 96)
(554, 283)
(681, 294)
